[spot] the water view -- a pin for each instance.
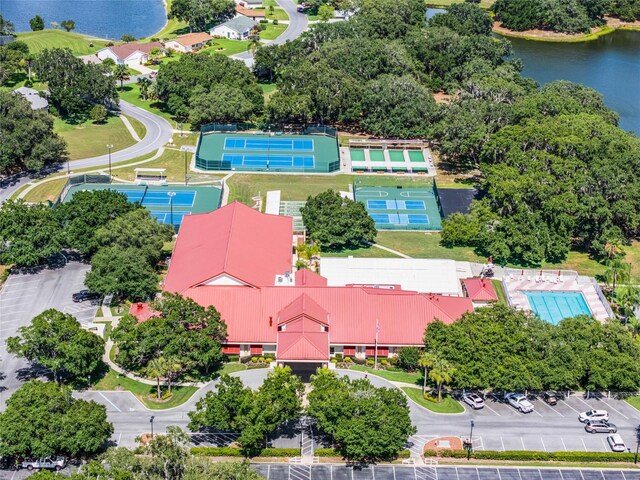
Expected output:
(102, 18)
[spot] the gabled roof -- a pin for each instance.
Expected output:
(125, 50)
(142, 311)
(240, 24)
(250, 12)
(307, 278)
(303, 306)
(303, 346)
(236, 241)
(33, 97)
(193, 38)
(480, 289)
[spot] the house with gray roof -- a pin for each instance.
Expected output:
(33, 96)
(238, 28)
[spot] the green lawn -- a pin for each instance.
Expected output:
(272, 31)
(78, 44)
(233, 367)
(424, 245)
(45, 191)
(448, 404)
(268, 89)
(502, 298)
(226, 46)
(372, 252)
(448, 3)
(114, 381)
(139, 127)
(391, 375)
(131, 93)
(633, 401)
(171, 160)
(277, 14)
(90, 140)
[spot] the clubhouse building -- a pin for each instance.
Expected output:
(240, 261)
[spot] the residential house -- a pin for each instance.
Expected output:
(129, 54)
(189, 42)
(33, 96)
(251, 13)
(238, 28)
(249, 3)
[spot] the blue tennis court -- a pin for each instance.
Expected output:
(554, 306)
(400, 219)
(154, 198)
(268, 143)
(167, 217)
(396, 205)
(266, 161)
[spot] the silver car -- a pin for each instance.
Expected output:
(600, 427)
(519, 402)
(474, 400)
(616, 443)
(49, 463)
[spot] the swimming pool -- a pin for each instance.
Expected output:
(554, 306)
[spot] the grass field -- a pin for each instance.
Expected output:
(131, 93)
(173, 162)
(173, 27)
(391, 375)
(78, 44)
(634, 401)
(424, 245)
(448, 3)
(268, 89)
(45, 191)
(272, 31)
(502, 298)
(226, 46)
(114, 381)
(139, 127)
(89, 140)
(448, 404)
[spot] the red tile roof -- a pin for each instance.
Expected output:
(252, 314)
(193, 38)
(142, 311)
(249, 12)
(307, 278)
(126, 49)
(235, 240)
(480, 289)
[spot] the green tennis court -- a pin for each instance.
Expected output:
(167, 203)
(267, 152)
(401, 208)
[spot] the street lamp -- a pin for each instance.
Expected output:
(151, 421)
(109, 146)
(470, 447)
(171, 195)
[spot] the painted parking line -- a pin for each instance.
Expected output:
(544, 447)
(491, 409)
(537, 412)
(615, 409)
(563, 445)
(583, 444)
(18, 281)
(567, 404)
(110, 402)
(552, 409)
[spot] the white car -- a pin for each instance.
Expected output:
(616, 443)
(594, 415)
(49, 463)
(474, 400)
(519, 402)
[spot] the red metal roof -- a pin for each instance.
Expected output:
(142, 311)
(307, 278)
(252, 314)
(480, 289)
(303, 306)
(303, 339)
(234, 240)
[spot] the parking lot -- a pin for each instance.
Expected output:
(26, 295)
(499, 426)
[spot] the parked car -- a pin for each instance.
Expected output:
(550, 397)
(593, 415)
(49, 463)
(519, 402)
(600, 427)
(616, 443)
(83, 295)
(474, 400)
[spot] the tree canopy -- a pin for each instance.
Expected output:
(56, 340)
(366, 423)
(28, 141)
(506, 349)
(199, 14)
(180, 329)
(337, 223)
(42, 419)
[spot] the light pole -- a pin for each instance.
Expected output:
(151, 421)
(109, 146)
(171, 195)
(470, 441)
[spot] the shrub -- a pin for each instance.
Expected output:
(408, 358)
(275, 22)
(231, 358)
(263, 21)
(216, 452)
(347, 359)
(261, 359)
(370, 361)
(404, 454)
(523, 455)
(338, 357)
(166, 395)
(334, 360)
(280, 452)
(254, 359)
(269, 360)
(326, 452)
(384, 362)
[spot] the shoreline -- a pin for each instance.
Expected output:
(611, 26)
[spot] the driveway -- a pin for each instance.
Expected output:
(159, 132)
(298, 23)
(26, 295)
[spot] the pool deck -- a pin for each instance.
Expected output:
(516, 285)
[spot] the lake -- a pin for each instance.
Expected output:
(103, 18)
(609, 64)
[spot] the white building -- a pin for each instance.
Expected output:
(249, 3)
(129, 54)
(33, 96)
(189, 42)
(238, 28)
(413, 274)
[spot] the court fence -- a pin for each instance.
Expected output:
(79, 180)
(438, 201)
(302, 129)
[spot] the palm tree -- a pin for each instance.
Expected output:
(121, 73)
(627, 299)
(617, 271)
(144, 83)
(441, 373)
(633, 324)
(426, 361)
(157, 368)
(254, 43)
(613, 248)
(174, 367)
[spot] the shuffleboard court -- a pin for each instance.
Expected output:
(400, 208)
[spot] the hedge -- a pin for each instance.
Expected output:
(237, 452)
(524, 455)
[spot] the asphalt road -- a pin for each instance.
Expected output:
(298, 23)
(159, 132)
(26, 295)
